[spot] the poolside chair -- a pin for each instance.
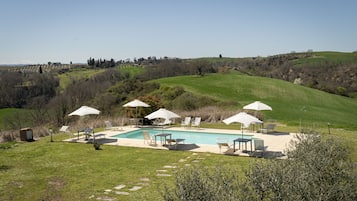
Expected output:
(147, 138)
(259, 147)
(223, 143)
(186, 122)
(269, 127)
(196, 122)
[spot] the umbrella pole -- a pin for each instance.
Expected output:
(136, 116)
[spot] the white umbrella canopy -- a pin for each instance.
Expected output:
(243, 118)
(162, 113)
(136, 103)
(84, 110)
(257, 105)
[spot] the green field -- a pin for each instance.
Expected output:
(331, 57)
(291, 103)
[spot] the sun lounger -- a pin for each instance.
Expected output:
(64, 129)
(186, 122)
(196, 122)
(109, 126)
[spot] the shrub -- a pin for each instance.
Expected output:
(316, 169)
(201, 183)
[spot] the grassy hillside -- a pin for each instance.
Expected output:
(5, 112)
(291, 103)
(334, 57)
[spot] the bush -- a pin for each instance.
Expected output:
(202, 183)
(316, 169)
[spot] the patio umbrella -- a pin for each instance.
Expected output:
(84, 110)
(136, 103)
(258, 106)
(163, 114)
(243, 118)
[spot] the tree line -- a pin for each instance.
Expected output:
(18, 90)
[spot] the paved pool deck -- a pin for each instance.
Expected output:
(274, 142)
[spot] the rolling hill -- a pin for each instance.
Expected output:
(291, 103)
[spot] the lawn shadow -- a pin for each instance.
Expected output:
(267, 154)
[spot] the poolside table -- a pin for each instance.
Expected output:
(163, 137)
(242, 140)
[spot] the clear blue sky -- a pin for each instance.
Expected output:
(38, 31)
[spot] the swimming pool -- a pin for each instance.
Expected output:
(191, 137)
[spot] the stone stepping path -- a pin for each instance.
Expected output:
(169, 166)
(144, 179)
(122, 193)
(164, 175)
(119, 187)
(165, 172)
(135, 188)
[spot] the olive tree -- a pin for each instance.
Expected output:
(202, 183)
(316, 169)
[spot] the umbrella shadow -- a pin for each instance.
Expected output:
(277, 133)
(102, 140)
(267, 154)
(182, 147)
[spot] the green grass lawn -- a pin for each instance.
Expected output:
(292, 104)
(44, 170)
(332, 57)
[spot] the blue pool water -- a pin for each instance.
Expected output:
(190, 137)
